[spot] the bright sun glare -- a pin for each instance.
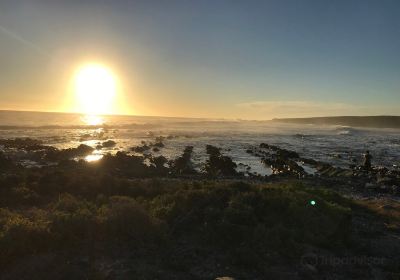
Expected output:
(95, 89)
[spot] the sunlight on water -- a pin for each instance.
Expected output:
(95, 157)
(93, 120)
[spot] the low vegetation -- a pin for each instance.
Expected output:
(86, 218)
(248, 225)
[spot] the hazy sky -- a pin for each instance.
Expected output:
(232, 59)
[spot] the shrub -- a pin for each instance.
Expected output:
(72, 220)
(243, 221)
(23, 195)
(21, 235)
(123, 219)
(281, 219)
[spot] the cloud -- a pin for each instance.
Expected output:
(281, 109)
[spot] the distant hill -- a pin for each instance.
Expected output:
(370, 121)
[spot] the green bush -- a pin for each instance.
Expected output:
(244, 221)
(123, 219)
(281, 219)
(72, 220)
(21, 235)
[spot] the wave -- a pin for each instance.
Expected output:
(347, 130)
(302, 136)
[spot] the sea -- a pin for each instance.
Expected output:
(338, 145)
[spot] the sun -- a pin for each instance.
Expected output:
(95, 89)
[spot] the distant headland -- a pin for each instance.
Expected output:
(359, 121)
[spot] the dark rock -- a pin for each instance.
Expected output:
(159, 144)
(287, 154)
(218, 164)
(160, 164)
(27, 144)
(5, 162)
(264, 146)
(284, 167)
(183, 164)
(212, 150)
(108, 144)
(65, 154)
(128, 165)
(85, 137)
(141, 149)
(309, 161)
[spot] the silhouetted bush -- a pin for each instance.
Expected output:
(123, 219)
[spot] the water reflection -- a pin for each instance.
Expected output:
(94, 157)
(93, 120)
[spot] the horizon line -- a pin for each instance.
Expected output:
(132, 115)
(197, 118)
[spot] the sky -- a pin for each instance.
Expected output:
(217, 59)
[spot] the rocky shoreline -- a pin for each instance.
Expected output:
(282, 163)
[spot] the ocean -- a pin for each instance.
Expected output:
(337, 145)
